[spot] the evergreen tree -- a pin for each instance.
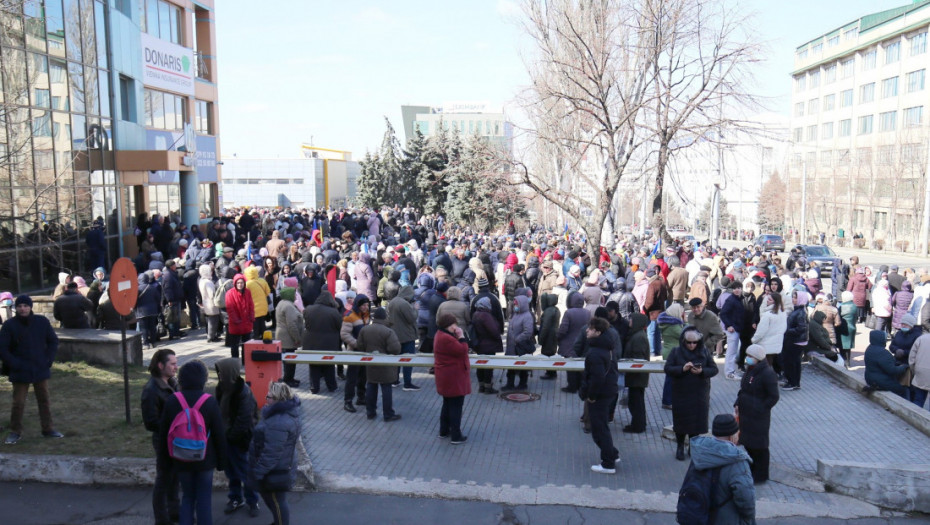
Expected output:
(370, 190)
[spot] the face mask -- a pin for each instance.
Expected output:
(750, 361)
(905, 329)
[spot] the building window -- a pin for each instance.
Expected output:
(845, 127)
(828, 102)
(842, 157)
(865, 124)
(888, 120)
(912, 153)
(890, 87)
(833, 41)
(829, 74)
(800, 83)
(864, 156)
(868, 59)
(918, 43)
(848, 67)
(826, 159)
(817, 48)
(913, 117)
(915, 80)
(826, 131)
(892, 52)
(203, 123)
(799, 109)
(846, 98)
(812, 132)
(165, 110)
(127, 99)
(798, 134)
(162, 19)
(867, 92)
(851, 33)
(802, 54)
(813, 106)
(815, 79)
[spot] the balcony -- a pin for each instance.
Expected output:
(202, 66)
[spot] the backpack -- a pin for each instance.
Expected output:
(219, 294)
(696, 497)
(187, 435)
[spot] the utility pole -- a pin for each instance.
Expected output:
(804, 204)
(925, 221)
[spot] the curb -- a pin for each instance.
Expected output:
(84, 470)
(904, 409)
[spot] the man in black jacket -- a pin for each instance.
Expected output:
(598, 390)
(161, 386)
(28, 345)
(71, 308)
(174, 296)
(240, 413)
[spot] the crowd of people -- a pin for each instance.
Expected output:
(394, 281)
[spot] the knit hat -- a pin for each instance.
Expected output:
(725, 425)
(379, 313)
(908, 319)
(23, 299)
(482, 282)
(695, 301)
(757, 352)
(193, 375)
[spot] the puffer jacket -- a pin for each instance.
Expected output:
(670, 327)
(859, 285)
(289, 323)
(770, 332)
(520, 329)
(377, 337)
(322, 324)
(819, 339)
(900, 303)
(352, 324)
(881, 372)
(734, 494)
(259, 290)
(274, 440)
(831, 319)
(207, 289)
(364, 276)
(458, 309)
(599, 379)
(549, 324)
(28, 347)
(488, 332)
(72, 309)
(402, 317)
(919, 360)
(573, 324)
(149, 301)
(240, 308)
(796, 332)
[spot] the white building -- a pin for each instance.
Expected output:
(465, 118)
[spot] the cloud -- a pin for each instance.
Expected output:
(508, 8)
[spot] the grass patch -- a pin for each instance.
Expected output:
(88, 408)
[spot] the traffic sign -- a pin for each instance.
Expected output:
(124, 286)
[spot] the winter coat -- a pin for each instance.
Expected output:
(881, 372)
(322, 325)
(511, 283)
(352, 324)
(274, 440)
(452, 366)
(240, 308)
(457, 309)
(859, 285)
(797, 332)
(28, 347)
(154, 395)
(364, 276)
(289, 323)
(709, 325)
(259, 290)
(819, 338)
(678, 284)
(900, 303)
(237, 404)
(520, 332)
(207, 291)
(850, 313)
(902, 342)
(919, 360)
(378, 337)
(770, 332)
(213, 420)
(573, 324)
(758, 393)
(496, 310)
(839, 276)
(310, 288)
(171, 284)
(733, 314)
(488, 333)
(814, 286)
(670, 327)
(654, 300)
(402, 317)
(71, 310)
(881, 301)
(149, 301)
(599, 379)
(832, 319)
(549, 325)
(734, 494)
(637, 347)
(592, 297)
(690, 392)
(108, 318)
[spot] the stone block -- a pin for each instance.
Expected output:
(897, 487)
(98, 347)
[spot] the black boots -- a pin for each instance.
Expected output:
(349, 407)
(680, 453)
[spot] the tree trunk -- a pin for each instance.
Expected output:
(658, 217)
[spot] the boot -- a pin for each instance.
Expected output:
(489, 388)
(481, 388)
(522, 387)
(349, 407)
(680, 453)
(508, 387)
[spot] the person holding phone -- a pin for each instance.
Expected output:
(690, 367)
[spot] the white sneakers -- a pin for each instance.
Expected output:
(601, 470)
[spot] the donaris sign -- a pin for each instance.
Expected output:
(167, 66)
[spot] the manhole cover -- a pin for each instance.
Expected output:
(519, 397)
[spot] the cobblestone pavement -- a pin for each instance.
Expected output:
(536, 452)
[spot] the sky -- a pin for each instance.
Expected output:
(328, 72)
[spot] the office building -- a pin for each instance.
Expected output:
(319, 178)
(858, 130)
(465, 118)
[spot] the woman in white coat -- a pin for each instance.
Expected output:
(773, 321)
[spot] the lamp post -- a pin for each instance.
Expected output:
(803, 234)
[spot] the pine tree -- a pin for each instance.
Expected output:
(370, 191)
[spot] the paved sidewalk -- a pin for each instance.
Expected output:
(536, 453)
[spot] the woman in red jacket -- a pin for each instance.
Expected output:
(241, 311)
(453, 382)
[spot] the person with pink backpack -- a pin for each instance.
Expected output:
(192, 441)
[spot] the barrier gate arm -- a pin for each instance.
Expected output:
(535, 362)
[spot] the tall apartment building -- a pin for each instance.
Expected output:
(464, 118)
(95, 96)
(859, 126)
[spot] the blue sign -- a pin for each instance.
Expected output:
(204, 157)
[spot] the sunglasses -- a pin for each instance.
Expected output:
(691, 342)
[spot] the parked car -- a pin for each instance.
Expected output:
(770, 242)
(820, 255)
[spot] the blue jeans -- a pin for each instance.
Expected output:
(918, 396)
(237, 471)
(196, 496)
(655, 338)
(409, 347)
(277, 504)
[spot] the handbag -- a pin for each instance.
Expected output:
(276, 481)
(905, 378)
(871, 322)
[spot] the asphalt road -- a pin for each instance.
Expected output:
(867, 257)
